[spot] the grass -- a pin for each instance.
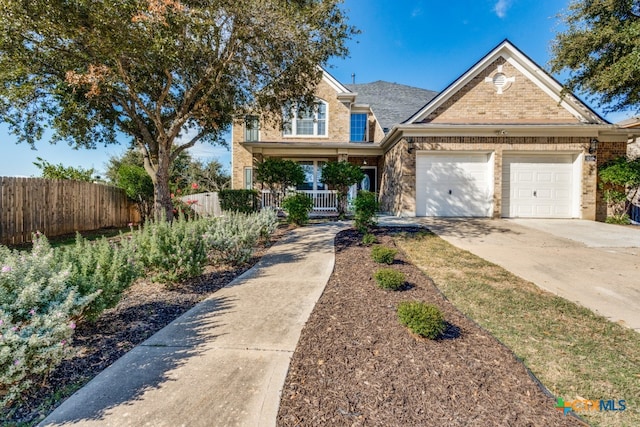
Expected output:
(572, 351)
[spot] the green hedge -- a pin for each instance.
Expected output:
(244, 201)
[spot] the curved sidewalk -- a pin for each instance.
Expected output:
(223, 362)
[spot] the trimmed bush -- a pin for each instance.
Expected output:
(423, 319)
(297, 207)
(388, 278)
(383, 255)
(369, 239)
(366, 206)
(244, 201)
(38, 308)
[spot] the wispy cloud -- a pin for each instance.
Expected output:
(501, 8)
(416, 12)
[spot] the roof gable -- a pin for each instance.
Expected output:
(505, 86)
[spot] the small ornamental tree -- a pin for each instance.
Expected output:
(340, 176)
(279, 175)
(620, 182)
(138, 185)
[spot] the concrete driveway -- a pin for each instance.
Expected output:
(594, 264)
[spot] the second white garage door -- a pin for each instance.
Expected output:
(538, 186)
(454, 184)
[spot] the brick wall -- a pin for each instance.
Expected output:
(398, 190)
(479, 102)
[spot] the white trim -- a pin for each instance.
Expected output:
(335, 84)
(294, 126)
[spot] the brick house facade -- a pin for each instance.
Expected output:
(502, 140)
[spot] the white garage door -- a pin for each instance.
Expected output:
(538, 186)
(454, 185)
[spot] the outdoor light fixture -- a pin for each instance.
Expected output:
(410, 146)
(593, 145)
(364, 162)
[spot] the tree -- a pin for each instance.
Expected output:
(620, 182)
(601, 49)
(138, 185)
(167, 73)
(340, 176)
(279, 175)
(59, 171)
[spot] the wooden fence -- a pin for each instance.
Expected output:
(206, 204)
(56, 207)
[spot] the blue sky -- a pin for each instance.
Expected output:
(426, 44)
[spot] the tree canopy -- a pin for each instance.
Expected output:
(60, 171)
(167, 73)
(601, 50)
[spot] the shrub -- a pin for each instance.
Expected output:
(232, 237)
(423, 319)
(297, 207)
(172, 251)
(340, 176)
(279, 175)
(369, 239)
(388, 278)
(245, 201)
(100, 266)
(366, 206)
(38, 305)
(383, 255)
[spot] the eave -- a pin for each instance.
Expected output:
(313, 149)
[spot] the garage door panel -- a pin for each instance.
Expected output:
(453, 185)
(538, 186)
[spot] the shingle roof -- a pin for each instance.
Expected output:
(392, 103)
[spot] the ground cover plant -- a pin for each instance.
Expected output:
(574, 352)
(356, 365)
(49, 294)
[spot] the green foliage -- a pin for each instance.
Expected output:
(279, 175)
(298, 206)
(244, 201)
(138, 185)
(369, 239)
(172, 251)
(388, 278)
(620, 181)
(232, 237)
(423, 319)
(383, 255)
(102, 268)
(340, 176)
(366, 206)
(600, 49)
(159, 72)
(59, 171)
(38, 305)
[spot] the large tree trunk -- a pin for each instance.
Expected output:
(163, 206)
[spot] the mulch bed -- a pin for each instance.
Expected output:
(144, 309)
(355, 365)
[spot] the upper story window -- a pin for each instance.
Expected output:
(299, 121)
(251, 128)
(358, 127)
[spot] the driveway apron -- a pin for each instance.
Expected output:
(224, 362)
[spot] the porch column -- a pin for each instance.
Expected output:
(343, 157)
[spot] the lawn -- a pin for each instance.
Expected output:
(575, 353)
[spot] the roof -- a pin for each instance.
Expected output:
(392, 103)
(632, 122)
(526, 66)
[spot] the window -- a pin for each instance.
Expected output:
(312, 175)
(251, 127)
(310, 121)
(358, 127)
(248, 178)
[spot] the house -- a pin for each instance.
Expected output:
(633, 146)
(502, 140)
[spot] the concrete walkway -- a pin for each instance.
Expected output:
(224, 362)
(594, 264)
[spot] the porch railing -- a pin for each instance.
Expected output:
(323, 200)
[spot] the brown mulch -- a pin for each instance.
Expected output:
(144, 309)
(355, 365)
